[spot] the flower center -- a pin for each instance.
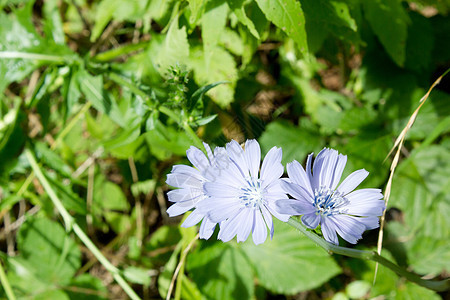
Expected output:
(252, 195)
(328, 202)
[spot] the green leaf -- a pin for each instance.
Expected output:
(288, 16)
(137, 275)
(213, 25)
(238, 8)
(109, 196)
(198, 94)
(22, 50)
(357, 289)
(296, 142)
(221, 271)
(53, 24)
(45, 245)
(383, 14)
(87, 287)
(222, 67)
(175, 48)
(290, 263)
(420, 189)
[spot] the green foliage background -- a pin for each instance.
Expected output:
(110, 94)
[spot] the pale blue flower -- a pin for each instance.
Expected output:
(320, 200)
(243, 197)
(189, 182)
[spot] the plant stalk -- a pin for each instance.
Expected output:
(72, 225)
(5, 284)
(438, 286)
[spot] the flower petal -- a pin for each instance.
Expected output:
(230, 227)
(259, 232)
(268, 219)
(273, 210)
(193, 219)
(311, 220)
(294, 207)
(271, 169)
(338, 169)
(349, 228)
(237, 155)
(223, 209)
(296, 191)
(182, 180)
(207, 228)
(328, 168)
(298, 175)
(253, 157)
(183, 195)
(318, 167)
(179, 208)
(246, 225)
(208, 152)
(352, 181)
(198, 158)
(370, 222)
(308, 169)
(215, 189)
(329, 230)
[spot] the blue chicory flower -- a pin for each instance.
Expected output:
(243, 197)
(189, 182)
(320, 200)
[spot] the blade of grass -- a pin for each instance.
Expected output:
(70, 224)
(399, 144)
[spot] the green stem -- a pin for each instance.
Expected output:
(5, 284)
(72, 225)
(122, 81)
(183, 124)
(438, 286)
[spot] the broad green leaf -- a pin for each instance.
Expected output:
(288, 16)
(213, 25)
(52, 159)
(387, 283)
(290, 263)
(420, 190)
(22, 49)
(357, 289)
(419, 45)
(189, 289)
(49, 250)
(238, 8)
(231, 41)
(108, 195)
(196, 7)
(87, 287)
(222, 67)
(383, 14)
(23, 277)
(175, 48)
(167, 141)
(118, 10)
(324, 17)
(296, 142)
(221, 271)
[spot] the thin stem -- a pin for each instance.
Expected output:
(133, 88)
(183, 124)
(71, 224)
(5, 284)
(32, 56)
(438, 286)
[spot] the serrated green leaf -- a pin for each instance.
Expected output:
(383, 14)
(288, 16)
(175, 48)
(290, 263)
